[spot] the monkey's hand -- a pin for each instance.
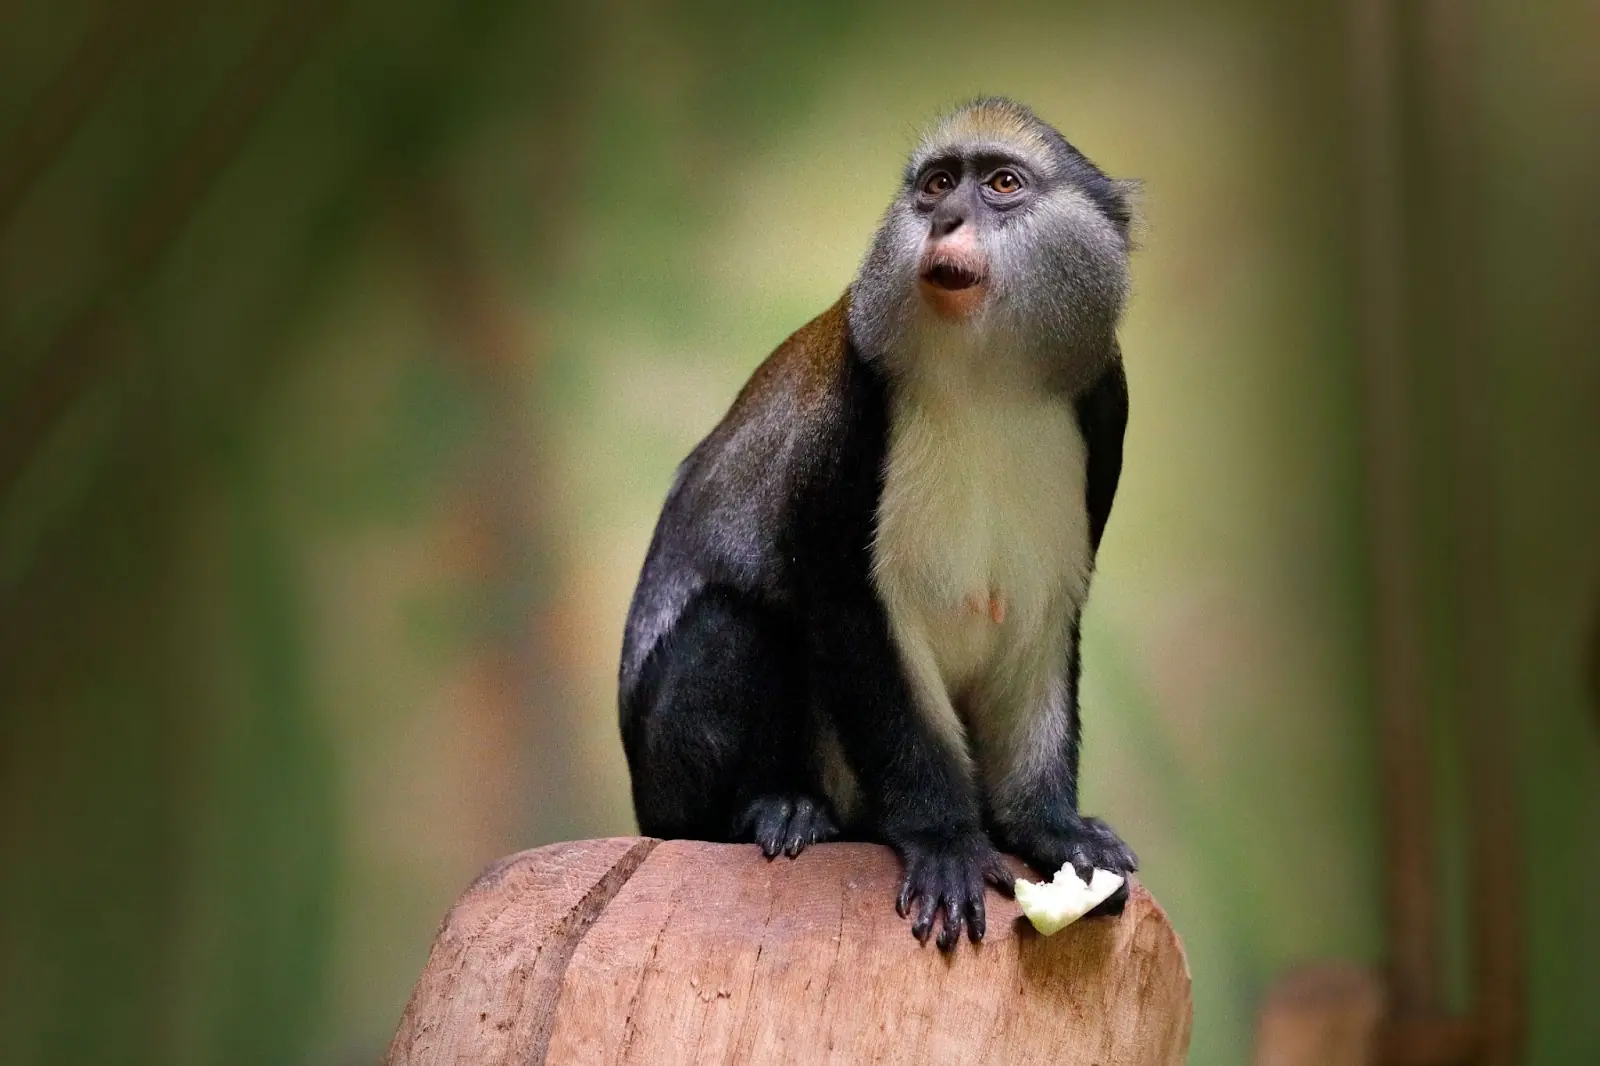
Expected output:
(1085, 844)
(786, 823)
(946, 872)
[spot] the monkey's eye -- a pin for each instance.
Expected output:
(1004, 181)
(938, 182)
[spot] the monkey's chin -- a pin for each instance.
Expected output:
(953, 305)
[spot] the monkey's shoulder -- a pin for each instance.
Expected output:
(788, 422)
(803, 377)
(789, 474)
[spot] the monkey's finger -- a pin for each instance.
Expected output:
(800, 828)
(998, 874)
(955, 915)
(977, 923)
(902, 903)
(927, 910)
(771, 824)
(1082, 862)
(1114, 852)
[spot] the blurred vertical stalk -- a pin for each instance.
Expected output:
(72, 93)
(1495, 906)
(1416, 1029)
(507, 500)
(81, 351)
(1594, 664)
(1411, 890)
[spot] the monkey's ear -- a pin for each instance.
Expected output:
(1131, 192)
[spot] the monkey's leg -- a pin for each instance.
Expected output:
(1033, 788)
(917, 785)
(714, 733)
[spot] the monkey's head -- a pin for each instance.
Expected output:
(1001, 230)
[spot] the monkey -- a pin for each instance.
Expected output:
(859, 613)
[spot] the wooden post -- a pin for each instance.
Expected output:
(1322, 1016)
(1410, 881)
(641, 951)
(1488, 726)
(1327, 1015)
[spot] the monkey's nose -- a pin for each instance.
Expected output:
(943, 227)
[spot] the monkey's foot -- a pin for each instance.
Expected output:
(786, 823)
(946, 873)
(1087, 845)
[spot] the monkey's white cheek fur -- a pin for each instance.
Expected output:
(1052, 906)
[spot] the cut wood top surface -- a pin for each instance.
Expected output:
(637, 951)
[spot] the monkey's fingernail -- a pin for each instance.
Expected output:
(924, 923)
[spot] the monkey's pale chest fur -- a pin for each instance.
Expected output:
(982, 543)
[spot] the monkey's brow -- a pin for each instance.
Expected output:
(989, 160)
(936, 161)
(980, 156)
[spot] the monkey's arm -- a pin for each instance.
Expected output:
(920, 794)
(1102, 419)
(1038, 812)
(1036, 809)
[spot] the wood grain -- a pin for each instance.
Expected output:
(488, 991)
(711, 954)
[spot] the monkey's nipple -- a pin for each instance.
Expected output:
(991, 604)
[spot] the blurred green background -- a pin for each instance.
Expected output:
(346, 350)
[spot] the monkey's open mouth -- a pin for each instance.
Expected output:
(951, 276)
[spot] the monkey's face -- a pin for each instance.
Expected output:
(1003, 230)
(953, 262)
(1001, 238)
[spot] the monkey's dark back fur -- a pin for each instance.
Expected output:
(719, 676)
